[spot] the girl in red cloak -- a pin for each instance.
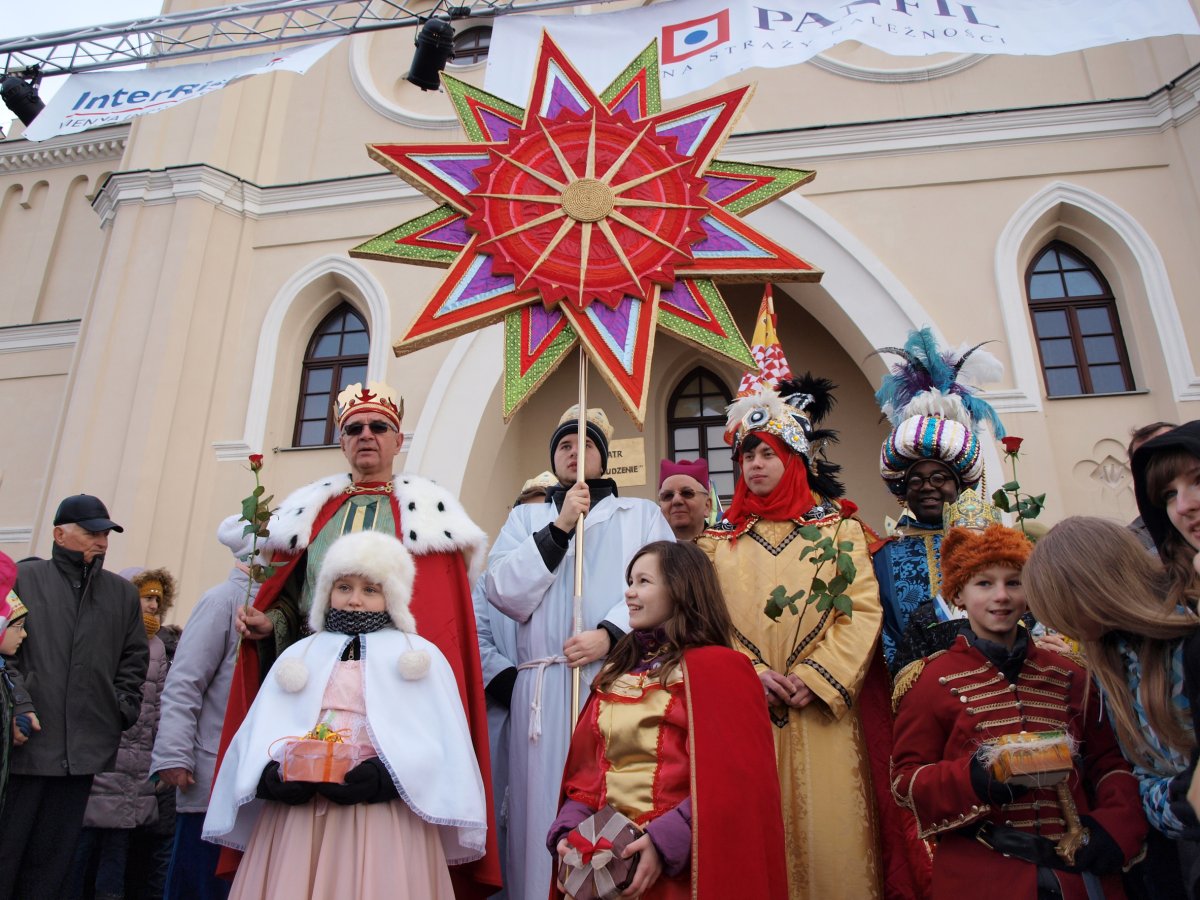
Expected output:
(676, 737)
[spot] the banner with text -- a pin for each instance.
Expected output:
(703, 41)
(91, 99)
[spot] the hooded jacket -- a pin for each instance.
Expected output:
(1185, 437)
(84, 663)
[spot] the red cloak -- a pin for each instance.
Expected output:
(737, 818)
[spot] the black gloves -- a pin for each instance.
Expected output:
(1100, 855)
(272, 787)
(988, 789)
(368, 782)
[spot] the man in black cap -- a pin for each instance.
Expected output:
(84, 664)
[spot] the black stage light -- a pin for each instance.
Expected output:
(19, 91)
(435, 48)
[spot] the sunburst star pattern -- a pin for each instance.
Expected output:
(590, 218)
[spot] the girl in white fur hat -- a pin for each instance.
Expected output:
(412, 806)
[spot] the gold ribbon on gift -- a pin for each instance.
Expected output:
(589, 853)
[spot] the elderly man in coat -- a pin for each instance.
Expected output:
(84, 664)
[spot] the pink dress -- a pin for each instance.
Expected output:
(329, 852)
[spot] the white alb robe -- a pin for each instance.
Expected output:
(520, 586)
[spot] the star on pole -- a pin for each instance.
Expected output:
(586, 217)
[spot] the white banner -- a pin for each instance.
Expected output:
(703, 41)
(90, 99)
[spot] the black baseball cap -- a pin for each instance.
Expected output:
(86, 511)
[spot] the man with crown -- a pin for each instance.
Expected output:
(530, 579)
(812, 661)
(932, 454)
(447, 547)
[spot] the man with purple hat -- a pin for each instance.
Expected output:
(84, 662)
(683, 496)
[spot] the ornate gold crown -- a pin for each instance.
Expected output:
(375, 397)
(971, 511)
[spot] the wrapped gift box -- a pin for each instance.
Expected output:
(307, 759)
(1032, 758)
(593, 868)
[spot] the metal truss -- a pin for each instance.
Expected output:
(238, 27)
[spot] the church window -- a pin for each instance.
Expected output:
(1076, 324)
(336, 357)
(696, 426)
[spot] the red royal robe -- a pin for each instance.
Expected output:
(441, 605)
(737, 818)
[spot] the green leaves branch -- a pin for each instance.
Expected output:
(824, 594)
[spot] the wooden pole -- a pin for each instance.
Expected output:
(580, 476)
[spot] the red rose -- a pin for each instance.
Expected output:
(848, 509)
(1011, 444)
(256, 462)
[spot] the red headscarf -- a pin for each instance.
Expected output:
(791, 498)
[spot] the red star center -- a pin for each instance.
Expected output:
(575, 209)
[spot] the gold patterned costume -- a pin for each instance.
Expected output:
(828, 806)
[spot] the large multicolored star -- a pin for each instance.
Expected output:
(586, 217)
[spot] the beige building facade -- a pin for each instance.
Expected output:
(162, 282)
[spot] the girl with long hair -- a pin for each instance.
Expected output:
(675, 736)
(1092, 579)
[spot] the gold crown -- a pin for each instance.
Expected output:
(375, 397)
(971, 511)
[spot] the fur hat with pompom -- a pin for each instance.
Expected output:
(377, 557)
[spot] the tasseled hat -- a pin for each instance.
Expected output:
(930, 399)
(376, 397)
(965, 551)
(791, 413)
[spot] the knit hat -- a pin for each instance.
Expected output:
(8, 573)
(377, 557)
(598, 429)
(964, 552)
(231, 533)
(695, 468)
(929, 397)
(16, 609)
(158, 583)
(376, 397)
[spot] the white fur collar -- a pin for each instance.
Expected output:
(433, 520)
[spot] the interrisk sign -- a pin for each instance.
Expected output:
(92, 99)
(702, 41)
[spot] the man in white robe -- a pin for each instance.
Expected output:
(530, 578)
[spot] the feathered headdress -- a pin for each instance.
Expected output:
(791, 412)
(931, 399)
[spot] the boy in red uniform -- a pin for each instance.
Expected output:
(995, 839)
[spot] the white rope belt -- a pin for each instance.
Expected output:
(535, 706)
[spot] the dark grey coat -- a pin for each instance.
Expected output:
(84, 662)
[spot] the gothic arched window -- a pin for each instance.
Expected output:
(696, 426)
(1075, 319)
(336, 356)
